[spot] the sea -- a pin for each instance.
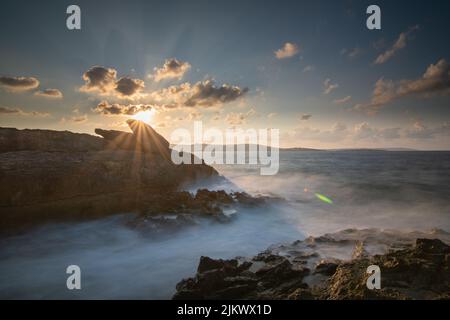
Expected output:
(318, 192)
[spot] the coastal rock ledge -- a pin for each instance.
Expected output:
(418, 270)
(47, 174)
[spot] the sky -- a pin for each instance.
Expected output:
(311, 69)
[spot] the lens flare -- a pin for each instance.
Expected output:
(324, 198)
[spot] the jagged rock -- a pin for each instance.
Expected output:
(431, 246)
(207, 264)
(421, 271)
(48, 174)
(227, 279)
(326, 267)
(143, 139)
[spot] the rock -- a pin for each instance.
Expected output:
(207, 264)
(421, 271)
(176, 209)
(48, 174)
(326, 267)
(301, 294)
(12, 140)
(226, 279)
(114, 139)
(359, 251)
(431, 246)
(143, 139)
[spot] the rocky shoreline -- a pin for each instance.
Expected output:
(178, 210)
(50, 175)
(309, 269)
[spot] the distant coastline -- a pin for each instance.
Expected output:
(392, 149)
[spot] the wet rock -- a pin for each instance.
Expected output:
(174, 209)
(359, 251)
(421, 271)
(326, 267)
(432, 246)
(207, 264)
(227, 279)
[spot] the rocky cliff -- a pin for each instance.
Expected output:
(51, 174)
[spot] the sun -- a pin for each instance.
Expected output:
(144, 116)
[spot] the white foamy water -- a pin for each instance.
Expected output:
(387, 190)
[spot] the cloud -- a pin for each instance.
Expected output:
(364, 131)
(195, 115)
(390, 133)
(17, 84)
(206, 94)
(352, 53)
(305, 117)
(308, 68)
(355, 52)
(287, 51)
(49, 93)
(216, 116)
(398, 45)
(272, 115)
(336, 133)
(99, 79)
(104, 81)
(120, 109)
(79, 119)
(172, 69)
(329, 87)
(20, 112)
(340, 132)
(379, 44)
(201, 94)
(236, 119)
(343, 100)
(161, 124)
(128, 88)
(421, 131)
(435, 81)
(76, 119)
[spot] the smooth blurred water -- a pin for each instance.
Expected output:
(404, 190)
(395, 190)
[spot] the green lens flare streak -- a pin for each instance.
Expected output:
(323, 198)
